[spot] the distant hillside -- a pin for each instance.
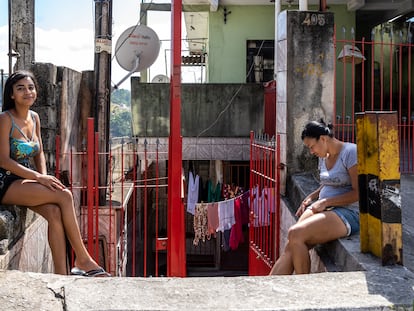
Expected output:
(120, 119)
(121, 97)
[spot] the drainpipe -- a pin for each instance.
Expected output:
(277, 11)
(10, 39)
(303, 5)
(322, 5)
(275, 62)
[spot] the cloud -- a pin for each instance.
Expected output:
(73, 49)
(4, 49)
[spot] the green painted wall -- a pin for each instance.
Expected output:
(227, 42)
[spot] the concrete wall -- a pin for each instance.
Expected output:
(305, 76)
(208, 110)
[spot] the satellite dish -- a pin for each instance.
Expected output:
(160, 79)
(137, 48)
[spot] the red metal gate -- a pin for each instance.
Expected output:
(127, 234)
(375, 75)
(264, 228)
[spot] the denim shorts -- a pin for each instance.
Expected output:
(350, 218)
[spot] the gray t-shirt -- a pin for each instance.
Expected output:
(337, 181)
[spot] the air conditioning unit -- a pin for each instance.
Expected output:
(354, 5)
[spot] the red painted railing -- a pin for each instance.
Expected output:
(127, 235)
(382, 81)
(264, 230)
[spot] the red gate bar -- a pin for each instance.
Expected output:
(90, 182)
(176, 226)
(264, 227)
(382, 82)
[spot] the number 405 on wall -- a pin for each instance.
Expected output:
(313, 19)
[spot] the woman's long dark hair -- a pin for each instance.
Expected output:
(8, 102)
(316, 129)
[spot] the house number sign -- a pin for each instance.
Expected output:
(313, 19)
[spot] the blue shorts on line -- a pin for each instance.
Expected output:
(350, 218)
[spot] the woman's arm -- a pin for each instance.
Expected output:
(6, 162)
(308, 201)
(39, 159)
(11, 165)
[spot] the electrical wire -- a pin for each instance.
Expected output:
(132, 31)
(135, 27)
(232, 98)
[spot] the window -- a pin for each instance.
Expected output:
(260, 60)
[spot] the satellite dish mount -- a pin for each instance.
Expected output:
(134, 69)
(136, 49)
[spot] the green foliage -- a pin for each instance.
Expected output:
(121, 97)
(120, 123)
(120, 119)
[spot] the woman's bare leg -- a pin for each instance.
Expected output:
(284, 264)
(56, 235)
(311, 229)
(317, 229)
(40, 195)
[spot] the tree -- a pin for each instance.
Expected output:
(121, 124)
(121, 97)
(120, 121)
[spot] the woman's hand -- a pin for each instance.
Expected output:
(305, 203)
(50, 182)
(318, 206)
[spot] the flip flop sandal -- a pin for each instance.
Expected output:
(77, 271)
(99, 272)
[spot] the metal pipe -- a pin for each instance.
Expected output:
(276, 55)
(303, 5)
(277, 11)
(176, 265)
(115, 87)
(10, 41)
(322, 5)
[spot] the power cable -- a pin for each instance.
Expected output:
(234, 95)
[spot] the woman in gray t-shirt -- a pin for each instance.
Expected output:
(331, 211)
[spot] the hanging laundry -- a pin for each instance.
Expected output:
(214, 192)
(202, 191)
(192, 193)
(231, 191)
(225, 239)
(245, 207)
(200, 223)
(255, 202)
(236, 233)
(219, 170)
(212, 217)
(226, 215)
(263, 205)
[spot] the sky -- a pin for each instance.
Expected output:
(64, 34)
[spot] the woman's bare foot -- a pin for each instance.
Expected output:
(88, 268)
